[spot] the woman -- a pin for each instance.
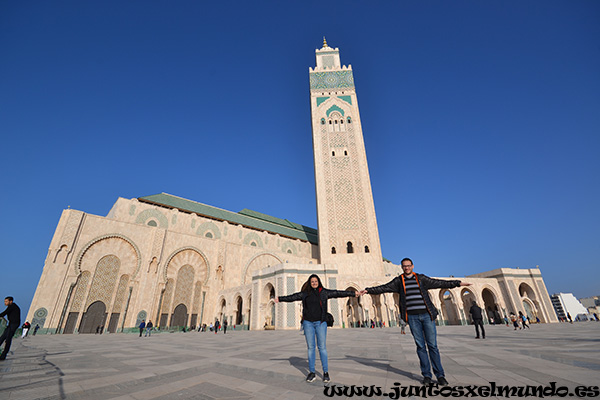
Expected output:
(314, 314)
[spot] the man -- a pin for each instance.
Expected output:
(225, 327)
(420, 313)
(13, 312)
(149, 326)
(142, 326)
(475, 311)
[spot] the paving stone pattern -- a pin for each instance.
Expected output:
(273, 364)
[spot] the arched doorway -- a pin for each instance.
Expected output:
(268, 305)
(94, 318)
(239, 314)
(491, 306)
(179, 316)
(467, 298)
(222, 314)
(249, 311)
(449, 309)
(376, 300)
(353, 310)
(527, 306)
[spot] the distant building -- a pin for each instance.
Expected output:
(567, 303)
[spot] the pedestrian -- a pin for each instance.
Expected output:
(420, 313)
(475, 311)
(513, 318)
(142, 326)
(37, 327)
(25, 327)
(523, 320)
(13, 313)
(402, 326)
(506, 320)
(217, 326)
(149, 327)
(314, 319)
(225, 327)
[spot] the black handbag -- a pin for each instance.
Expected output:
(329, 319)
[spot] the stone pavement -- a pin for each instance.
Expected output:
(273, 364)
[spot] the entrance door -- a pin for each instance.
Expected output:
(94, 317)
(179, 317)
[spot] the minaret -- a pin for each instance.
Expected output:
(348, 234)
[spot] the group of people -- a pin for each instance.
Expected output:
(146, 326)
(415, 304)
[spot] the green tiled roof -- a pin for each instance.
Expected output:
(248, 218)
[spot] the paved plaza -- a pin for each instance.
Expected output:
(273, 364)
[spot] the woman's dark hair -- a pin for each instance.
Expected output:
(306, 287)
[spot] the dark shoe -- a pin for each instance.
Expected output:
(2, 358)
(476, 337)
(426, 381)
(311, 377)
(442, 381)
(326, 378)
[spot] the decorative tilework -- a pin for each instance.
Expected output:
(142, 315)
(104, 280)
(73, 223)
(196, 300)
(347, 99)
(39, 317)
(121, 291)
(320, 100)
(132, 209)
(279, 316)
(209, 226)
(183, 286)
(145, 215)
(257, 262)
(291, 307)
(334, 108)
(115, 244)
(331, 80)
(80, 290)
(328, 61)
(253, 237)
(289, 247)
(174, 219)
(187, 256)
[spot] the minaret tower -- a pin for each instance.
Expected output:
(348, 234)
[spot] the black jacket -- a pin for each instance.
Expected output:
(475, 311)
(13, 312)
(324, 294)
(425, 283)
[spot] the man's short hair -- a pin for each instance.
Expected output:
(406, 259)
(9, 298)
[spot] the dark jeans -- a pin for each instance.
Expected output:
(7, 336)
(479, 323)
(425, 335)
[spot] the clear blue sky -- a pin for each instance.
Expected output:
(481, 122)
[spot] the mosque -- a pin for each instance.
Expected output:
(181, 263)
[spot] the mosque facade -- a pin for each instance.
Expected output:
(181, 263)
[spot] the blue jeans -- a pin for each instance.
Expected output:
(424, 333)
(318, 329)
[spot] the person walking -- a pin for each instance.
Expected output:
(224, 327)
(37, 327)
(475, 311)
(26, 326)
(314, 316)
(402, 326)
(523, 320)
(142, 326)
(217, 326)
(420, 313)
(149, 327)
(13, 313)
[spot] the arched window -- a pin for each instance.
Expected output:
(333, 153)
(350, 248)
(330, 122)
(152, 223)
(322, 121)
(345, 152)
(209, 235)
(366, 249)
(349, 120)
(333, 250)
(341, 121)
